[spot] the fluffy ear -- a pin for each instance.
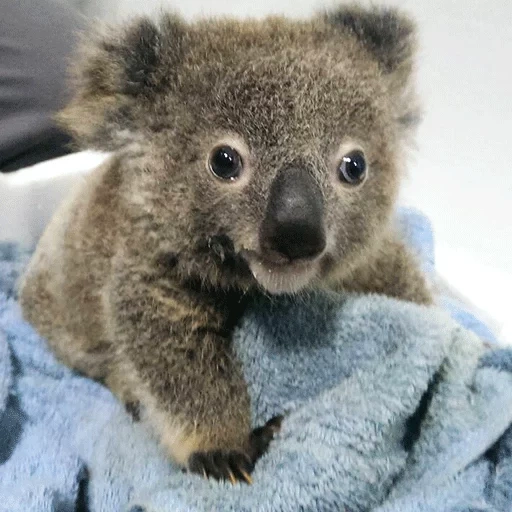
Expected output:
(387, 33)
(116, 70)
(389, 36)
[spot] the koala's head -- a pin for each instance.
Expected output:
(262, 151)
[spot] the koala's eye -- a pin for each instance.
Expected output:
(352, 168)
(225, 163)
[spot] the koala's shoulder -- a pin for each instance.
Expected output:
(86, 222)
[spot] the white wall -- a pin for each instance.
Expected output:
(463, 176)
(115, 10)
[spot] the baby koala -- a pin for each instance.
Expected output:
(248, 157)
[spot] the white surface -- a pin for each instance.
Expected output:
(463, 175)
(28, 197)
(486, 289)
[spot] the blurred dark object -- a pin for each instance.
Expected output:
(36, 39)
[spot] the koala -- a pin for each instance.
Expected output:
(248, 158)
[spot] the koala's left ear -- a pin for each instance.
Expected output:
(115, 71)
(389, 36)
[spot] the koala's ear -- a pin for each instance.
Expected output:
(387, 33)
(115, 71)
(389, 36)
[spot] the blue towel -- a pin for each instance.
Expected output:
(390, 407)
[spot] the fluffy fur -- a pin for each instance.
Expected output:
(144, 271)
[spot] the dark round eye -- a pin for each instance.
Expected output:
(352, 168)
(225, 163)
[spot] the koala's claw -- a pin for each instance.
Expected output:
(233, 465)
(222, 465)
(261, 437)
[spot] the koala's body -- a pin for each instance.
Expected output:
(249, 157)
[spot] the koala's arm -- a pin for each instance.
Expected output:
(175, 359)
(392, 270)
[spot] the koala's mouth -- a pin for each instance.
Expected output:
(280, 276)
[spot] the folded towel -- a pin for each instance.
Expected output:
(389, 406)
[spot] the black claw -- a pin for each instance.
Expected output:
(261, 437)
(203, 463)
(234, 466)
(275, 423)
(222, 465)
(241, 466)
(196, 462)
(220, 469)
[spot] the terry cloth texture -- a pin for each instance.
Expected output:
(390, 407)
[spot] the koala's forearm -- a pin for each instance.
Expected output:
(392, 270)
(189, 383)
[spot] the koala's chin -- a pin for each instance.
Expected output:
(282, 278)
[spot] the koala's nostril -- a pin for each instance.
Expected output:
(297, 240)
(293, 225)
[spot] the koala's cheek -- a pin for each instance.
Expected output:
(352, 231)
(245, 237)
(237, 220)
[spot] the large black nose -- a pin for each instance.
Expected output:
(293, 224)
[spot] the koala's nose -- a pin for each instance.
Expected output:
(294, 225)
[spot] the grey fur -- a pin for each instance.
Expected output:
(147, 267)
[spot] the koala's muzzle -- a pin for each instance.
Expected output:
(293, 227)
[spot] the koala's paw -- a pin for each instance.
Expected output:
(222, 465)
(235, 466)
(262, 436)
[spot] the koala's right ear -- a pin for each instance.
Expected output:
(116, 71)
